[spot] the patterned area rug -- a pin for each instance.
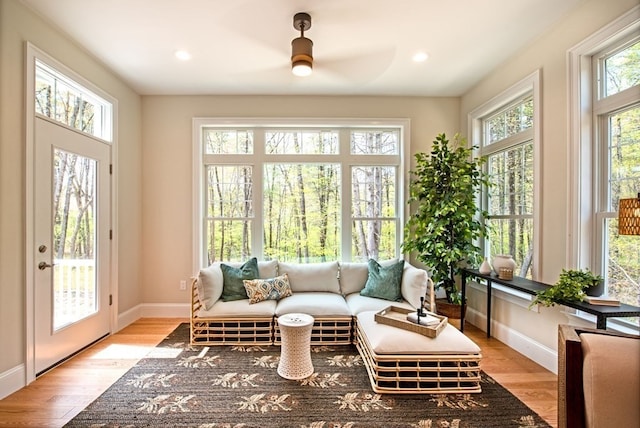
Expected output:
(179, 385)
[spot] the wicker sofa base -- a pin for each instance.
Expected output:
(326, 331)
(222, 331)
(419, 374)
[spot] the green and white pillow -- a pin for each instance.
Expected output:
(259, 290)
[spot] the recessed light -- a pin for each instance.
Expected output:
(183, 55)
(420, 57)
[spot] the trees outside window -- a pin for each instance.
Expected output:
(299, 193)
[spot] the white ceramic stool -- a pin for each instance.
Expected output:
(295, 353)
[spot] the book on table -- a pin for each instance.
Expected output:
(603, 301)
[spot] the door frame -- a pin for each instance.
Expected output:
(31, 53)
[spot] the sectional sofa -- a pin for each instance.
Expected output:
(329, 291)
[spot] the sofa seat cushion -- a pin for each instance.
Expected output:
(307, 277)
(239, 309)
(210, 280)
(358, 303)
(611, 380)
(385, 339)
(316, 304)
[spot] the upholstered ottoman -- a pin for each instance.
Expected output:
(403, 362)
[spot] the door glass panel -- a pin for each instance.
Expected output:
(74, 273)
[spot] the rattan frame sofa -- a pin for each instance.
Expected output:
(329, 291)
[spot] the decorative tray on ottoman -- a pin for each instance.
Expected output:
(397, 317)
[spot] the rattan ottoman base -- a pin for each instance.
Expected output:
(419, 373)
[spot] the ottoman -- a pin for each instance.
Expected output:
(399, 361)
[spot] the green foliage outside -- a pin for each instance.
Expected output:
(447, 222)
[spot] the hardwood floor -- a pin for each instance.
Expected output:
(57, 396)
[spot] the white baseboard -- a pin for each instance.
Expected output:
(153, 310)
(541, 354)
(12, 380)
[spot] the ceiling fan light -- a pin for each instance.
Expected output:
(301, 56)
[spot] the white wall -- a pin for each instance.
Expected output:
(549, 54)
(167, 159)
(18, 25)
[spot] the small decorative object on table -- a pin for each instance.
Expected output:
(505, 273)
(485, 267)
(503, 261)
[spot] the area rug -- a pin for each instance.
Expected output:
(180, 385)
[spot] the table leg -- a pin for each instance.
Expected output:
(488, 308)
(601, 322)
(464, 297)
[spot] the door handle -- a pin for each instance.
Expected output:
(44, 265)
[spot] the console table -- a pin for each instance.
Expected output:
(532, 287)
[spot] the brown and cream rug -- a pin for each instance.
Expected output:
(179, 385)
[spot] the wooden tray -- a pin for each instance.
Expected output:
(397, 317)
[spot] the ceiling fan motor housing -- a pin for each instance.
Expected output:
(302, 47)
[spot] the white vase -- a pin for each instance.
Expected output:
(485, 267)
(503, 261)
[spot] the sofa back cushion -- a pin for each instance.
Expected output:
(210, 280)
(353, 277)
(306, 277)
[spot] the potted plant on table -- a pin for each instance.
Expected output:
(446, 221)
(572, 285)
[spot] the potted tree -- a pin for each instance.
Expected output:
(446, 222)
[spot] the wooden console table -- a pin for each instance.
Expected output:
(532, 287)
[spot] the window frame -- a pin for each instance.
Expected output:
(586, 113)
(529, 87)
(343, 125)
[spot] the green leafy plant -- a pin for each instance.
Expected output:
(446, 221)
(571, 287)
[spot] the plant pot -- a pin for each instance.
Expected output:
(449, 310)
(595, 290)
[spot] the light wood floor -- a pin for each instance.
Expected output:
(57, 396)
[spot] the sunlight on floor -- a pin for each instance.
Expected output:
(117, 351)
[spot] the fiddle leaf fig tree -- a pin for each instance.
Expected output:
(446, 222)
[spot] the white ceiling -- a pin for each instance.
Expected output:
(361, 47)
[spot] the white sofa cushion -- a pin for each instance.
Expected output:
(210, 280)
(358, 303)
(353, 277)
(317, 304)
(414, 284)
(239, 309)
(312, 276)
(386, 339)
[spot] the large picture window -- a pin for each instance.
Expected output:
(298, 193)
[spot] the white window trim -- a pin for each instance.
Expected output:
(531, 83)
(274, 122)
(581, 239)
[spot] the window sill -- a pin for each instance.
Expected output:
(507, 294)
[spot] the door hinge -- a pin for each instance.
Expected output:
(110, 299)
(111, 169)
(110, 233)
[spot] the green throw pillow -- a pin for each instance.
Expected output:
(384, 282)
(232, 285)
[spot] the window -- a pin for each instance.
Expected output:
(617, 150)
(300, 192)
(604, 111)
(66, 101)
(506, 133)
